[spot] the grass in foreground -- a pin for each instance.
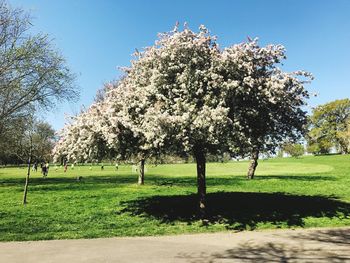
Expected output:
(306, 192)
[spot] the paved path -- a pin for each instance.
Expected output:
(315, 245)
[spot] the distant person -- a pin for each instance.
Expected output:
(44, 170)
(65, 166)
(116, 166)
(47, 166)
(36, 166)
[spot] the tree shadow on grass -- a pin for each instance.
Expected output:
(86, 182)
(70, 183)
(239, 210)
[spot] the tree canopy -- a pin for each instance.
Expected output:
(330, 127)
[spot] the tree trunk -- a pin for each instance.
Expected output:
(142, 172)
(344, 148)
(27, 182)
(201, 185)
(253, 164)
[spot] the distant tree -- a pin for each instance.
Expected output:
(14, 141)
(33, 75)
(43, 140)
(344, 137)
(319, 145)
(329, 126)
(294, 149)
(280, 153)
(30, 141)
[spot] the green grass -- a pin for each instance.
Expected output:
(286, 193)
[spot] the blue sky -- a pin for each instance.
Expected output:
(98, 36)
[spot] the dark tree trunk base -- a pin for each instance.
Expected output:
(253, 164)
(201, 184)
(141, 179)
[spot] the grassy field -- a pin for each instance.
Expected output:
(287, 193)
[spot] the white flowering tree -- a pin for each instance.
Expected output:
(185, 96)
(177, 101)
(265, 102)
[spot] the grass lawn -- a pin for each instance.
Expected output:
(286, 193)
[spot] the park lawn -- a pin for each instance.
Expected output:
(286, 193)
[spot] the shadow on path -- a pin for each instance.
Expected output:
(334, 236)
(239, 210)
(273, 252)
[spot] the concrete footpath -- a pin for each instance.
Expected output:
(313, 245)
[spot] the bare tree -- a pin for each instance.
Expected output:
(33, 74)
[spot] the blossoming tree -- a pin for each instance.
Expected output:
(176, 99)
(265, 102)
(186, 96)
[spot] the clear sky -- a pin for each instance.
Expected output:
(98, 36)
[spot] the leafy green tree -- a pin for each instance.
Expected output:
(294, 149)
(344, 136)
(329, 127)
